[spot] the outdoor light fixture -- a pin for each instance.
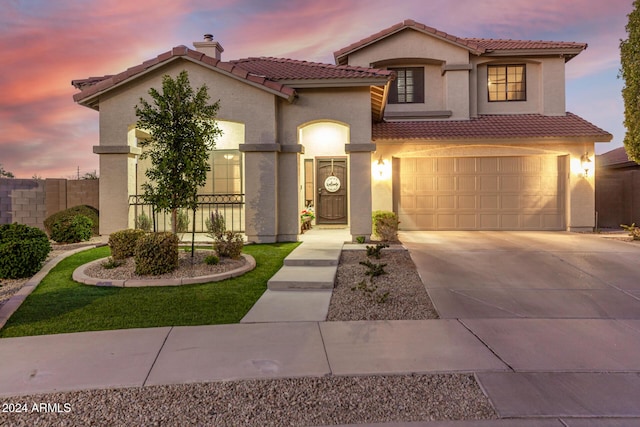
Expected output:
(586, 164)
(382, 169)
(228, 156)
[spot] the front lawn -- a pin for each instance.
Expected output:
(60, 305)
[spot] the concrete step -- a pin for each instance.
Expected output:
(303, 277)
(309, 256)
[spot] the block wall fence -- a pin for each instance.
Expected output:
(30, 201)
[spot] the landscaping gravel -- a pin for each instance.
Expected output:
(407, 298)
(186, 269)
(307, 401)
(281, 402)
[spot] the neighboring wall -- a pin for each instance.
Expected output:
(618, 197)
(30, 201)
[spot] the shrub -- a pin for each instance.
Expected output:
(385, 225)
(215, 225)
(123, 243)
(229, 244)
(88, 211)
(143, 222)
(71, 229)
(374, 251)
(182, 222)
(632, 230)
(156, 253)
(211, 260)
(23, 249)
(111, 263)
(374, 270)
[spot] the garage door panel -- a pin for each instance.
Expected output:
(489, 193)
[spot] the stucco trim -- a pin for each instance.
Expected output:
(359, 148)
(297, 148)
(116, 149)
(260, 148)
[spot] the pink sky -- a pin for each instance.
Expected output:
(45, 44)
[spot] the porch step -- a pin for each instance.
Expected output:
(303, 277)
(310, 256)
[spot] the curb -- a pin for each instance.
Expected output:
(10, 307)
(81, 277)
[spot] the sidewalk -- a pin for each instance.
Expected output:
(536, 372)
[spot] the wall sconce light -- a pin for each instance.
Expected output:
(382, 169)
(228, 156)
(586, 163)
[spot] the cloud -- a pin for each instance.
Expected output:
(46, 44)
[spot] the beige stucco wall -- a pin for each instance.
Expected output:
(239, 102)
(324, 121)
(545, 87)
(580, 198)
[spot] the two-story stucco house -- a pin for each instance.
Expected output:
(450, 133)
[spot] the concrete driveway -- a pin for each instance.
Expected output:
(527, 274)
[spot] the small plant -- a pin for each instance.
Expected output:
(360, 239)
(182, 222)
(229, 244)
(72, 230)
(211, 260)
(370, 289)
(111, 263)
(23, 250)
(375, 270)
(307, 215)
(374, 251)
(385, 225)
(633, 231)
(215, 224)
(156, 253)
(143, 222)
(123, 243)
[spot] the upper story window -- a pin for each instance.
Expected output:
(507, 82)
(408, 87)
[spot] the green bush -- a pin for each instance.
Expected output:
(385, 225)
(211, 260)
(123, 243)
(88, 211)
(23, 249)
(229, 244)
(71, 230)
(215, 225)
(156, 253)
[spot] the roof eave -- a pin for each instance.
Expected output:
(91, 100)
(341, 57)
(568, 54)
(334, 83)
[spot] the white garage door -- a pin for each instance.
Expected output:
(480, 193)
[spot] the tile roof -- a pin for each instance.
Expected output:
(615, 158)
(93, 85)
(500, 44)
(291, 69)
(408, 23)
(501, 126)
(476, 46)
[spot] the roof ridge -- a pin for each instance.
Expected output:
(407, 23)
(311, 63)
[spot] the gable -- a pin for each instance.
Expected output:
(409, 46)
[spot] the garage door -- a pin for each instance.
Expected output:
(480, 193)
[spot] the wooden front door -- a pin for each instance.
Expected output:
(331, 196)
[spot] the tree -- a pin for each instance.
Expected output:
(630, 73)
(182, 131)
(4, 173)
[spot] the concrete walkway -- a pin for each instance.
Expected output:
(536, 371)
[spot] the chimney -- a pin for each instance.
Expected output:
(209, 47)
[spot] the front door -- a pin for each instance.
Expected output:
(331, 198)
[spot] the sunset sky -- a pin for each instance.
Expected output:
(45, 44)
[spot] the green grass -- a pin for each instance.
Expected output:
(60, 305)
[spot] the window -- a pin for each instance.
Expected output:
(227, 172)
(408, 87)
(507, 82)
